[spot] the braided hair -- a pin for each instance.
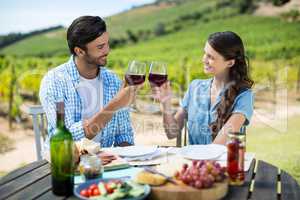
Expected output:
(230, 46)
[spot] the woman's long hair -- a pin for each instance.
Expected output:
(230, 46)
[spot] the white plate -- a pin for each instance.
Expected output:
(203, 152)
(134, 151)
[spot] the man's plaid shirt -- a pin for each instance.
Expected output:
(60, 84)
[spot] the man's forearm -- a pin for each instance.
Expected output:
(96, 123)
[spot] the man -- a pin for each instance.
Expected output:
(94, 99)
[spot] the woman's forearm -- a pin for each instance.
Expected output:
(171, 125)
(233, 124)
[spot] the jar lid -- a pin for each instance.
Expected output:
(236, 133)
(90, 161)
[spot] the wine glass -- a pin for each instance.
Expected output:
(157, 75)
(135, 75)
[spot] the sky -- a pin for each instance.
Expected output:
(28, 15)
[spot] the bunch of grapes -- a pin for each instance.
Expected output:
(201, 174)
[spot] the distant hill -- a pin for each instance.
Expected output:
(143, 18)
(46, 44)
(163, 21)
(11, 38)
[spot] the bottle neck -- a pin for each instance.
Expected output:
(60, 120)
(60, 114)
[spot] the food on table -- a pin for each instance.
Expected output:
(106, 158)
(88, 146)
(201, 174)
(90, 166)
(145, 177)
(113, 189)
(235, 158)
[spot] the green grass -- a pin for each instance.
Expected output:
(256, 32)
(263, 47)
(279, 149)
(147, 17)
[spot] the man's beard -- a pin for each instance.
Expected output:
(100, 62)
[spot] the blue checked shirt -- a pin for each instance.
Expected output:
(60, 84)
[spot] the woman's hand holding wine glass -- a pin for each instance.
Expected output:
(160, 85)
(157, 77)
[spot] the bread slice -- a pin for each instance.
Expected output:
(145, 177)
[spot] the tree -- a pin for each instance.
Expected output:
(131, 36)
(279, 2)
(244, 5)
(160, 29)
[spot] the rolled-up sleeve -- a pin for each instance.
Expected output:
(76, 128)
(125, 131)
(244, 104)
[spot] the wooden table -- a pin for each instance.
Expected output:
(263, 181)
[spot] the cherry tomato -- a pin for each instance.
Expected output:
(93, 186)
(108, 188)
(90, 192)
(96, 192)
(84, 193)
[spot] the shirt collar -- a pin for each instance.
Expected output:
(219, 97)
(74, 73)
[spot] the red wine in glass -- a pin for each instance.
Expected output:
(158, 73)
(136, 73)
(157, 79)
(135, 79)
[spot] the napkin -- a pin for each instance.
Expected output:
(151, 156)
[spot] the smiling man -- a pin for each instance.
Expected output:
(94, 99)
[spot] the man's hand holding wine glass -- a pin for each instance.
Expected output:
(127, 94)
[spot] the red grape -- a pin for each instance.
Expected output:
(198, 184)
(201, 174)
(185, 166)
(177, 174)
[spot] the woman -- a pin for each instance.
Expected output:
(215, 106)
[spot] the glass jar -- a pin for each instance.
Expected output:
(236, 145)
(91, 166)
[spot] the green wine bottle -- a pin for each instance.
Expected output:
(62, 156)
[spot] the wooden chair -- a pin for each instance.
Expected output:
(39, 127)
(182, 138)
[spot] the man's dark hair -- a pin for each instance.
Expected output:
(84, 30)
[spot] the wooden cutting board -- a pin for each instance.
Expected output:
(185, 192)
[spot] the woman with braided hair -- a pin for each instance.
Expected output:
(214, 106)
